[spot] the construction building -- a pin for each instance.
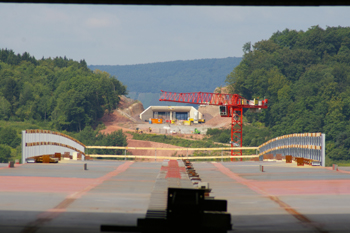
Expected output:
(167, 113)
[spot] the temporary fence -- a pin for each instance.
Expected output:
(306, 145)
(36, 142)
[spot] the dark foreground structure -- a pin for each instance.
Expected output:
(66, 198)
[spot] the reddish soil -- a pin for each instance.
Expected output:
(209, 111)
(219, 121)
(166, 153)
(190, 136)
(114, 127)
(116, 121)
(125, 102)
(114, 118)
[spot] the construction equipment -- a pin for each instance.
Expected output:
(156, 121)
(201, 121)
(231, 105)
(42, 159)
(196, 131)
(138, 131)
(187, 122)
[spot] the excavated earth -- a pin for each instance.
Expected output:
(126, 118)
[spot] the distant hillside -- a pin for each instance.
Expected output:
(144, 81)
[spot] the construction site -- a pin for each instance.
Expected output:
(131, 115)
(283, 187)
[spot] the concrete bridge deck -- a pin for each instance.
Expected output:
(36, 198)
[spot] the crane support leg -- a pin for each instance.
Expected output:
(236, 130)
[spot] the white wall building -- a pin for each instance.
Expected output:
(170, 113)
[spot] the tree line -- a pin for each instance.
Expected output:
(61, 91)
(306, 77)
(57, 94)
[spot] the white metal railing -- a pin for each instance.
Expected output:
(306, 145)
(36, 142)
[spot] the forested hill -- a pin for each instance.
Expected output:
(60, 91)
(144, 81)
(306, 77)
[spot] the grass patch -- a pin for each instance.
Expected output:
(340, 163)
(177, 141)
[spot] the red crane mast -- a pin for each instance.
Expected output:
(231, 105)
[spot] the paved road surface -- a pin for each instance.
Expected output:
(36, 198)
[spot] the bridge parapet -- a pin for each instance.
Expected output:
(36, 142)
(306, 145)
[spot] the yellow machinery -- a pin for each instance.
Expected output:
(138, 131)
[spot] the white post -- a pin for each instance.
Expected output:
(23, 146)
(323, 149)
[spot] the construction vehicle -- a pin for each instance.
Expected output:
(156, 121)
(196, 131)
(201, 121)
(42, 159)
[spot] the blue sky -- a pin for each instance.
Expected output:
(127, 34)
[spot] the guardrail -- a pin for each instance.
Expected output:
(306, 145)
(36, 142)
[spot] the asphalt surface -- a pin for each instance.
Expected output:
(66, 198)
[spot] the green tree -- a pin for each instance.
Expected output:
(306, 77)
(247, 47)
(5, 108)
(5, 153)
(8, 136)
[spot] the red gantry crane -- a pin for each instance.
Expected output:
(231, 105)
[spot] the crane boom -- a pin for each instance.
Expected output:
(207, 98)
